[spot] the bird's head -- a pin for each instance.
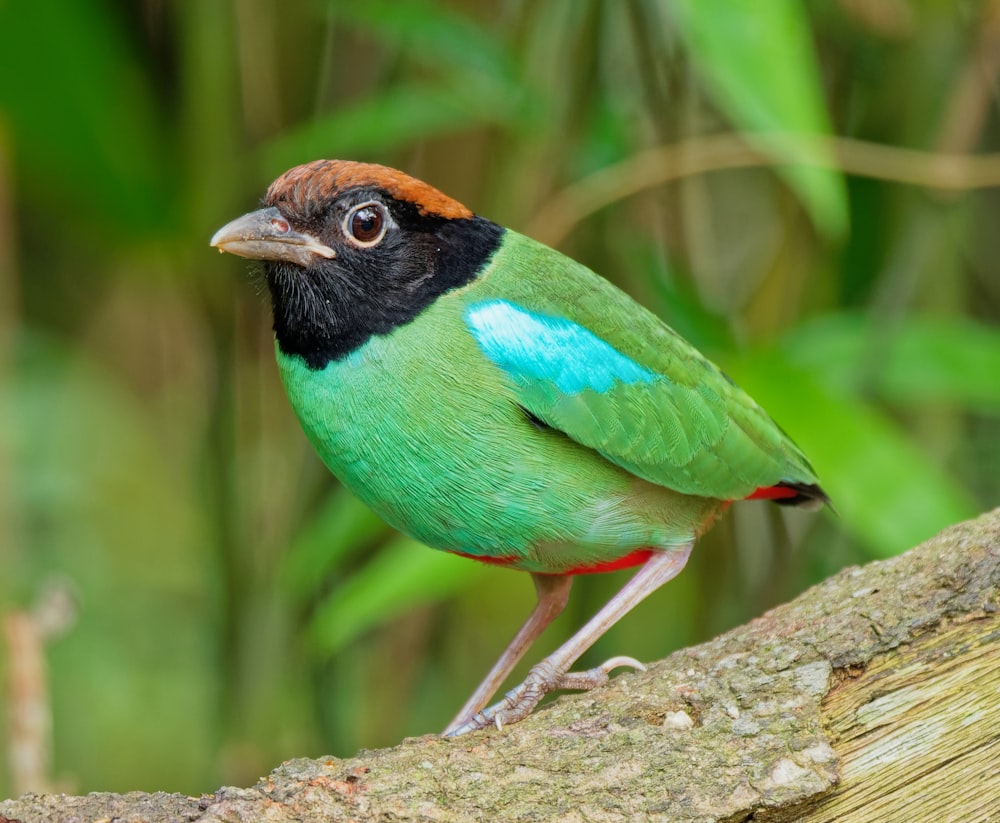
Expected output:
(352, 250)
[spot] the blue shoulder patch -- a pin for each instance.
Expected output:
(554, 349)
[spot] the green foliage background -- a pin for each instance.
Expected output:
(235, 607)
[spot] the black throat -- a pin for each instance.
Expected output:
(324, 313)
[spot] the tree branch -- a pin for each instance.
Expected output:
(660, 165)
(871, 697)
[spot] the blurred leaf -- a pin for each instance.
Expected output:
(82, 115)
(433, 33)
(889, 493)
(477, 87)
(759, 63)
(403, 575)
(397, 117)
(339, 530)
(917, 360)
(673, 297)
(100, 508)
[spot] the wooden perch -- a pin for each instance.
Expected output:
(875, 696)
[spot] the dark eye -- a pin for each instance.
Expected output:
(366, 224)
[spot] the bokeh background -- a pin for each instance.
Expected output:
(187, 597)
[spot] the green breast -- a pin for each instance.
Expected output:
(426, 431)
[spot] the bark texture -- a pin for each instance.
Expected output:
(871, 697)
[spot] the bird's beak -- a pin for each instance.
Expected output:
(265, 234)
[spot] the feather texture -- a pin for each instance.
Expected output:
(613, 377)
(644, 441)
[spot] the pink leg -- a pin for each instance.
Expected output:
(553, 592)
(553, 672)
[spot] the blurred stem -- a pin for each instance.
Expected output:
(209, 124)
(700, 155)
(9, 323)
(974, 88)
(255, 24)
(29, 737)
(10, 531)
(915, 259)
(26, 634)
(918, 270)
(975, 93)
(221, 475)
(8, 251)
(649, 64)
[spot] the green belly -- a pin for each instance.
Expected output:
(423, 429)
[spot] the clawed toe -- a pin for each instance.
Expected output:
(617, 662)
(519, 702)
(598, 676)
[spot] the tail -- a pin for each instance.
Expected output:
(803, 495)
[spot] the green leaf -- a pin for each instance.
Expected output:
(433, 33)
(397, 117)
(82, 114)
(102, 515)
(889, 493)
(916, 360)
(403, 575)
(758, 63)
(472, 82)
(340, 529)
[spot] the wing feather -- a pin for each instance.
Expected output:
(613, 377)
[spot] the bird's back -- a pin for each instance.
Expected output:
(656, 407)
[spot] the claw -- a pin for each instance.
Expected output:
(519, 702)
(598, 676)
(613, 663)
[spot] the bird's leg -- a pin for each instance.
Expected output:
(553, 592)
(553, 672)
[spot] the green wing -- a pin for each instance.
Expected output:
(585, 359)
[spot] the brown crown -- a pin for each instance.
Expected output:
(323, 179)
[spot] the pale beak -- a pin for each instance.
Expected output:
(265, 234)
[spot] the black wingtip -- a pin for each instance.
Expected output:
(807, 496)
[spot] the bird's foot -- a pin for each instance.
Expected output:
(519, 702)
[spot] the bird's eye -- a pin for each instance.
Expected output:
(365, 225)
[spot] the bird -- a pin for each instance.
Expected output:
(493, 398)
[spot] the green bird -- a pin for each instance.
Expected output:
(493, 398)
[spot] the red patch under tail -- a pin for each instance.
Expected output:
(791, 494)
(636, 558)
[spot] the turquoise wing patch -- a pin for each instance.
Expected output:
(677, 431)
(551, 349)
(576, 382)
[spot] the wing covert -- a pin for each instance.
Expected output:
(675, 421)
